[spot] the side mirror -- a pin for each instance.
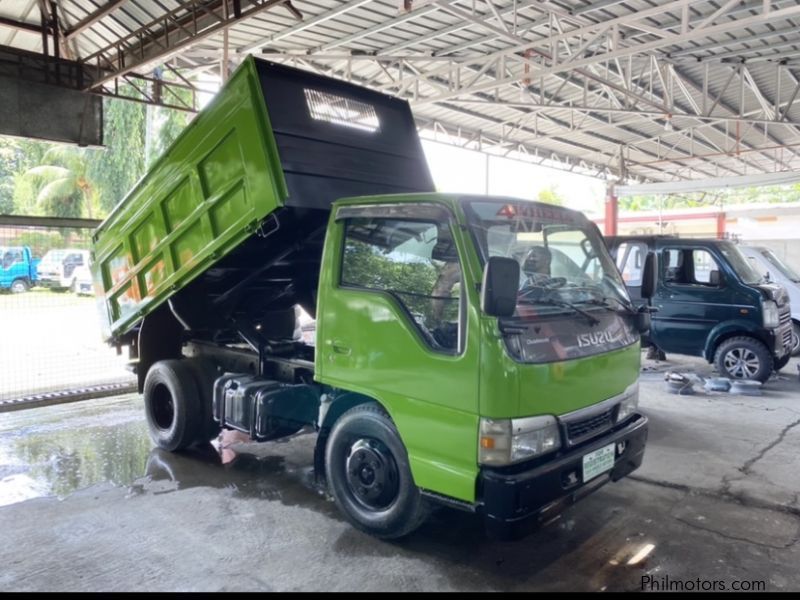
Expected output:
(649, 276)
(714, 278)
(500, 286)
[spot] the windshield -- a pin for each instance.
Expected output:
(563, 259)
(780, 265)
(740, 264)
(54, 256)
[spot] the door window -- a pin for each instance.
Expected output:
(630, 260)
(690, 266)
(415, 262)
(10, 257)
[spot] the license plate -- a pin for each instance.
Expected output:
(598, 462)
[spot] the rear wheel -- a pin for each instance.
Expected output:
(369, 475)
(173, 405)
(744, 358)
(205, 373)
(19, 286)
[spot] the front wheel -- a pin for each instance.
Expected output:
(744, 358)
(19, 286)
(369, 475)
(795, 339)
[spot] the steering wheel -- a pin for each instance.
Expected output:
(541, 280)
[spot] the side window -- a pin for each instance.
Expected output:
(706, 270)
(630, 260)
(674, 271)
(11, 257)
(414, 261)
(690, 267)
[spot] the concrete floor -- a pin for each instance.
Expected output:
(86, 504)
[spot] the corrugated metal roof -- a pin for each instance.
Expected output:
(677, 88)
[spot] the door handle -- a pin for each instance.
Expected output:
(340, 347)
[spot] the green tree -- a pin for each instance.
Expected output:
(551, 195)
(61, 185)
(16, 157)
(116, 168)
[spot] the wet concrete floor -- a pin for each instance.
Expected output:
(86, 504)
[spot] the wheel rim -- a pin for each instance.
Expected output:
(742, 363)
(163, 407)
(17, 287)
(372, 476)
(795, 342)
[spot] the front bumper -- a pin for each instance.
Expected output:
(51, 282)
(515, 503)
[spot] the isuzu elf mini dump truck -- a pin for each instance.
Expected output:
(472, 351)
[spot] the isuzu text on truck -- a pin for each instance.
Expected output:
(477, 352)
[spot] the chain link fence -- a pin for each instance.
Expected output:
(50, 343)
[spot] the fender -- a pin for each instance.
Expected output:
(729, 328)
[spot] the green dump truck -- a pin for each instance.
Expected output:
(471, 351)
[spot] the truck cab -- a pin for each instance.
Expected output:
(56, 271)
(17, 269)
(472, 351)
(710, 302)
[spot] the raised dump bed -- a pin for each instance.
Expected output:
(228, 224)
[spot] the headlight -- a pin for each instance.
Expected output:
(629, 404)
(770, 311)
(506, 441)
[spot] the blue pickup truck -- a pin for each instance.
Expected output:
(17, 269)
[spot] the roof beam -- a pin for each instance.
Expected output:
(177, 29)
(307, 24)
(20, 25)
(639, 48)
(92, 18)
(629, 111)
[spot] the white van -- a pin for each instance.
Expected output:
(57, 269)
(768, 264)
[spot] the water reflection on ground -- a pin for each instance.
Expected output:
(55, 451)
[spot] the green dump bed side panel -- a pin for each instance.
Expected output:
(200, 200)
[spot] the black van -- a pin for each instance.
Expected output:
(709, 302)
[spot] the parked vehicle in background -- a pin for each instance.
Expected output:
(57, 269)
(17, 269)
(710, 302)
(83, 281)
(767, 263)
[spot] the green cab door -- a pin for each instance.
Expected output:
(393, 325)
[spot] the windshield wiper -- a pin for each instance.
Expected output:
(604, 302)
(564, 304)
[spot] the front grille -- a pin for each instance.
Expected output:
(578, 431)
(785, 328)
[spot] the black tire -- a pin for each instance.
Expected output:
(782, 362)
(172, 404)
(369, 476)
(19, 286)
(795, 338)
(744, 358)
(205, 373)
